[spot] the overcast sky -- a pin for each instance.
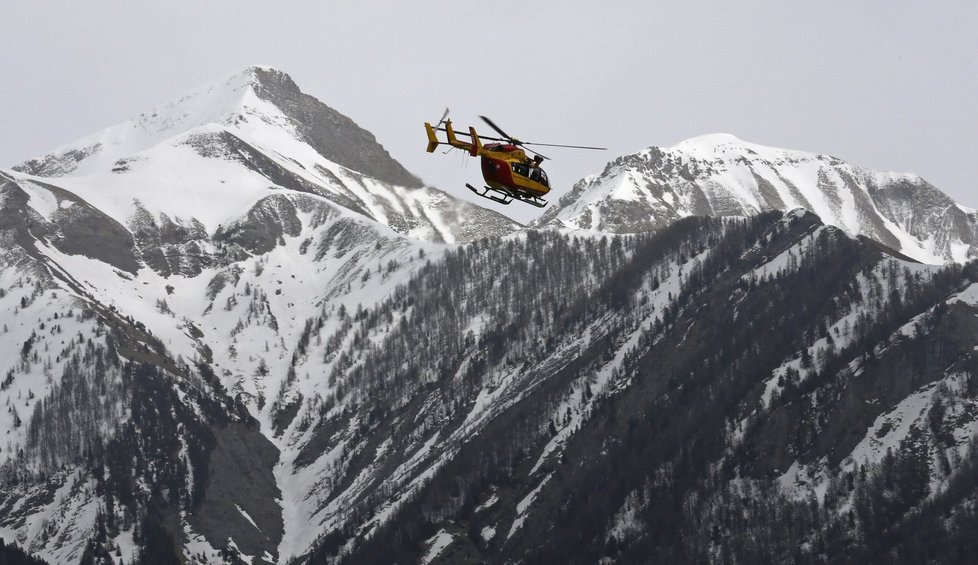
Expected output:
(889, 85)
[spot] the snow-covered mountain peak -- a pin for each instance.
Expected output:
(722, 175)
(709, 143)
(730, 151)
(221, 101)
(725, 147)
(258, 103)
(238, 151)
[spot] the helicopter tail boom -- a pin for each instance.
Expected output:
(473, 147)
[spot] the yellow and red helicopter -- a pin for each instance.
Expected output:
(509, 173)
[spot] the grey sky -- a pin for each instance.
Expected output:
(887, 85)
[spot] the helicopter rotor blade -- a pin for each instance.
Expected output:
(538, 153)
(480, 135)
(498, 129)
(523, 143)
(568, 146)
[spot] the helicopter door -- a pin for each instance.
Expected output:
(542, 178)
(536, 174)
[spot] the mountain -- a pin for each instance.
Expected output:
(137, 244)
(201, 162)
(760, 390)
(721, 175)
(226, 340)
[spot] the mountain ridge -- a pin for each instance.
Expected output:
(227, 101)
(307, 364)
(719, 174)
(206, 158)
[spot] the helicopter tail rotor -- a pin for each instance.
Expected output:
(444, 118)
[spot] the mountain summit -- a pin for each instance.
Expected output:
(259, 94)
(212, 158)
(721, 175)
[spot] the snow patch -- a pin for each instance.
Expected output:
(524, 505)
(247, 517)
(436, 544)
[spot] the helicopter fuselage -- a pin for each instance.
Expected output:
(506, 167)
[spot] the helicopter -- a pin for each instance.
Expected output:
(509, 173)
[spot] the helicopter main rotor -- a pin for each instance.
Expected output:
(520, 143)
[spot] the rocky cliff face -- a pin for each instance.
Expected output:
(73, 226)
(722, 175)
(333, 135)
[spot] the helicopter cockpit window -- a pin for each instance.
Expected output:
(536, 173)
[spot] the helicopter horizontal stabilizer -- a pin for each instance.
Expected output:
(476, 142)
(432, 140)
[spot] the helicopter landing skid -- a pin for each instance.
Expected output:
(505, 199)
(507, 196)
